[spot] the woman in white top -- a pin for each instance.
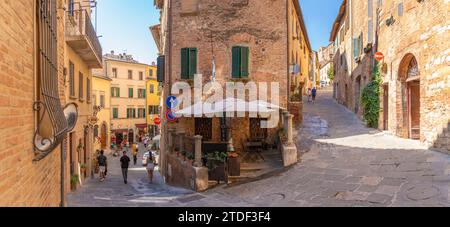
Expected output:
(150, 167)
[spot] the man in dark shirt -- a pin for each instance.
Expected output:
(124, 163)
(102, 163)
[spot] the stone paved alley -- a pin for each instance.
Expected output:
(343, 164)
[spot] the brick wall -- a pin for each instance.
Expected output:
(22, 182)
(260, 25)
(423, 32)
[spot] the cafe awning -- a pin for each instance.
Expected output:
(229, 105)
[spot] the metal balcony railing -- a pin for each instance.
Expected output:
(79, 25)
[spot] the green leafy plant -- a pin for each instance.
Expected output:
(83, 166)
(190, 156)
(74, 179)
(370, 99)
(331, 73)
(296, 97)
(214, 159)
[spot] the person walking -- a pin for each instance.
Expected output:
(309, 94)
(124, 164)
(102, 163)
(314, 94)
(150, 166)
(135, 149)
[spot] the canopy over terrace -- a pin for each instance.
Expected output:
(257, 109)
(230, 105)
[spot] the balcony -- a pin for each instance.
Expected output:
(82, 37)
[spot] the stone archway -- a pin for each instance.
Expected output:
(408, 98)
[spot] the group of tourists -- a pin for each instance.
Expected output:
(312, 94)
(149, 163)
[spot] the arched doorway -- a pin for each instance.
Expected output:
(103, 136)
(408, 99)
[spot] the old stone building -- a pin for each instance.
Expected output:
(83, 53)
(415, 39)
(128, 97)
(325, 57)
(353, 34)
(30, 171)
(206, 36)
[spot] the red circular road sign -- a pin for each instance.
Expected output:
(379, 56)
(157, 120)
(170, 116)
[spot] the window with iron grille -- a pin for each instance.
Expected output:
(48, 95)
(203, 127)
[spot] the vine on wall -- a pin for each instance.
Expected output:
(370, 99)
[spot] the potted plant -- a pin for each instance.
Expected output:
(190, 158)
(83, 168)
(184, 154)
(216, 163)
(234, 164)
(74, 180)
(283, 135)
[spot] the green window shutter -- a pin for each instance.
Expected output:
(115, 113)
(130, 92)
(244, 61)
(185, 63)
(118, 93)
(134, 113)
(355, 48)
(112, 92)
(128, 113)
(144, 92)
(236, 53)
(143, 112)
(361, 43)
(192, 62)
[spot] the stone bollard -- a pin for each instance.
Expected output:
(290, 128)
(198, 151)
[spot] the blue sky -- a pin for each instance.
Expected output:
(124, 25)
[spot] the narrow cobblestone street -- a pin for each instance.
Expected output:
(343, 164)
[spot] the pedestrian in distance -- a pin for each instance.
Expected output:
(124, 164)
(135, 149)
(314, 94)
(309, 93)
(102, 163)
(150, 166)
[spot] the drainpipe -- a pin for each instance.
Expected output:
(63, 158)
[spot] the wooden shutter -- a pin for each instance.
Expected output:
(192, 62)
(236, 72)
(130, 92)
(185, 63)
(160, 68)
(244, 61)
